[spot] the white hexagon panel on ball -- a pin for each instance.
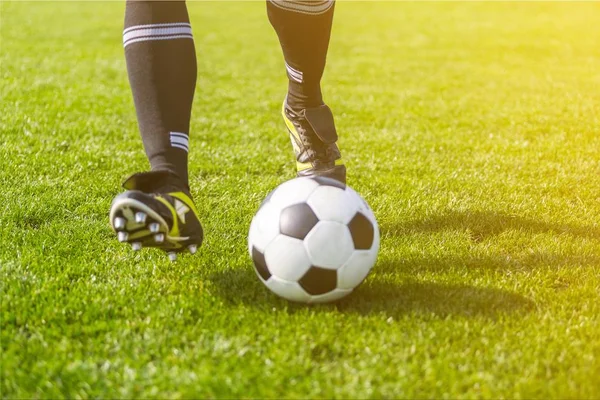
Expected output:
(286, 258)
(264, 227)
(333, 204)
(329, 244)
(294, 191)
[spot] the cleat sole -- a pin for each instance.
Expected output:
(125, 215)
(122, 236)
(119, 223)
(159, 237)
(154, 227)
(140, 217)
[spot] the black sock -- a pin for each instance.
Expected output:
(161, 63)
(304, 29)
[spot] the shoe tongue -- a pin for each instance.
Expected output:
(321, 121)
(160, 181)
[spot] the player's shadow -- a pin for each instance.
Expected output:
(380, 294)
(494, 262)
(483, 224)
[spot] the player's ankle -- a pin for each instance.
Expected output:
(173, 182)
(300, 97)
(157, 181)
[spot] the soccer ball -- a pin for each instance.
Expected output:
(313, 240)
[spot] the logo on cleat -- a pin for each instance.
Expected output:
(181, 209)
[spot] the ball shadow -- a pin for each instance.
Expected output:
(430, 298)
(378, 295)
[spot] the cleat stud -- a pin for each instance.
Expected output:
(172, 256)
(119, 223)
(140, 217)
(122, 236)
(136, 246)
(159, 237)
(154, 227)
(193, 248)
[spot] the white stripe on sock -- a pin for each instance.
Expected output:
(156, 34)
(150, 39)
(304, 7)
(183, 142)
(168, 25)
(153, 38)
(179, 140)
(294, 73)
(291, 69)
(179, 147)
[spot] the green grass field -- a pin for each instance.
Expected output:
(472, 129)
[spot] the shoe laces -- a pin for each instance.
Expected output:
(317, 150)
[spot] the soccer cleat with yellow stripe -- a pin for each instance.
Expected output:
(313, 136)
(154, 212)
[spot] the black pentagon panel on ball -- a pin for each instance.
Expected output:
(319, 281)
(260, 264)
(297, 220)
(324, 181)
(362, 232)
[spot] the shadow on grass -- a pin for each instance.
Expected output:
(378, 296)
(427, 298)
(483, 224)
(499, 262)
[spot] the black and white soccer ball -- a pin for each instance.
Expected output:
(313, 240)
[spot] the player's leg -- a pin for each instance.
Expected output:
(157, 209)
(304, 29)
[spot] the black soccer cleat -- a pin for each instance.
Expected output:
(313, 136)
(154, 212)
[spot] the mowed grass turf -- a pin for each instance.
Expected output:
(472, 129)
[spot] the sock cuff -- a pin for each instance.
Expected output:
(150, 32)
(311, 7)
